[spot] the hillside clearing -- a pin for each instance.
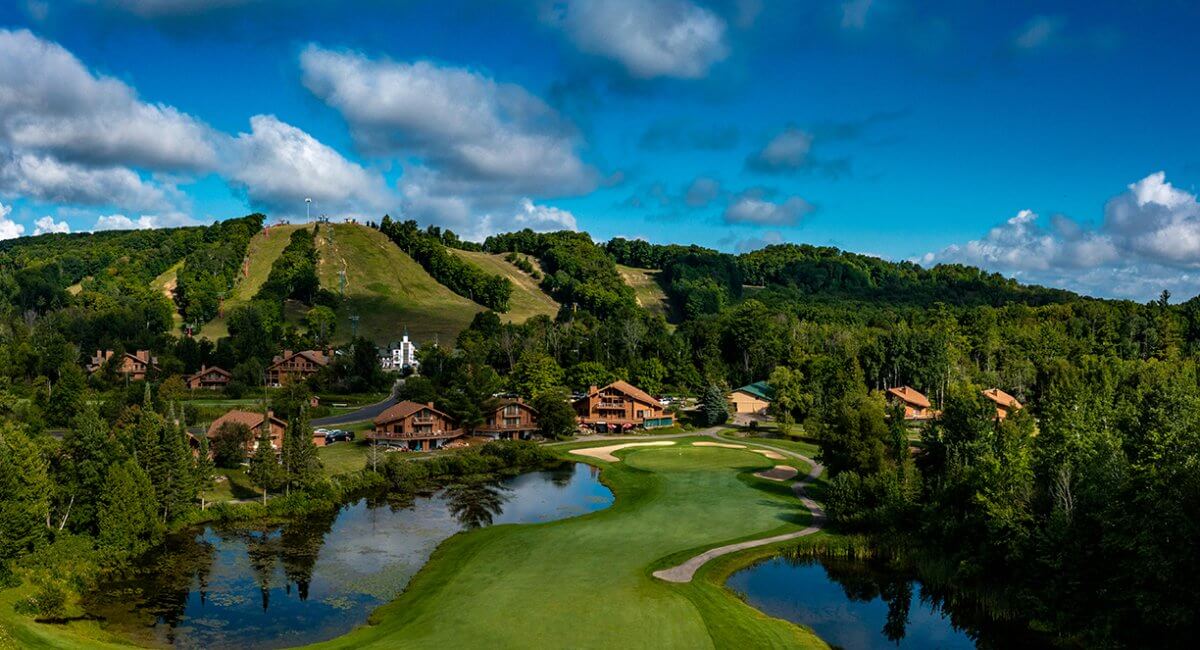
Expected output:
(265, 248)
(165, 283)
(646, 289)
(528, 299)
(387, 289)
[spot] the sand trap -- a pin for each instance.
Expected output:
(773, 455)
(778, 473)
(606, 453)
(726, 445)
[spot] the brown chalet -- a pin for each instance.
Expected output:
(512, 419)
(418, 427)
(253, 421)
(1005, 403)
(134, 365)
(213, 378)
(619, 406)
(291, 366)
(916, 406)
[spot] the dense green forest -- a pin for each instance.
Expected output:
(1089, 496)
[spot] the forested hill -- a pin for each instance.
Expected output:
(701, 280)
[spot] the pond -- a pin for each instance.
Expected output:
(279, 586)
(861, 605)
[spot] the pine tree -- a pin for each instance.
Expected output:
(88, 452)
(715, 405)
(264, 470)
(24, 495)
(176, 488)
(127, 521)
(69, 393)
(301, 465)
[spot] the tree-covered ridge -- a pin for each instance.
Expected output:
(428, 248)
(294, 273)
(577, 271)
(210, 270)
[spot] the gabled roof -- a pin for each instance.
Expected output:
(204, 370)
(1002, 398)
(630, 390)
(316, 356)
(404, 409)
(910, 396)
(760, 389)
(251, 419)
(509, 401)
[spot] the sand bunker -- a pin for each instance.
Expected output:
(778, 473)
(773, 455)
(606, 453)
(726, 445)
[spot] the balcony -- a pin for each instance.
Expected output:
(612, 404)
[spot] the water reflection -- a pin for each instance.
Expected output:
(278, 586)
(857, 604)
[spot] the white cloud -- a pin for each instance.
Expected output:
(1149, 240)
(1038, 32)
(51, 104)
(279, 165)
(543, 217)
(786, 151)
(9, 229)
(665, 38)
(122, 222)
(48, 179)
(750, 208)
(47, 224)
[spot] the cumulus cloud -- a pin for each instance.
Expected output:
(279, 165)
(47, 225)
(702, 191)
(9, 229)
(666, 38)
(1149, 239)
(753, 208)
(51, 104)
(786, 151)
(122, 222)
(48, 179)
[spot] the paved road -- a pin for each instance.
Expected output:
(365, 413)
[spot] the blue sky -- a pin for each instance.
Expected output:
(1054, 142)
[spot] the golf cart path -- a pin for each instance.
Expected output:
(684, 572)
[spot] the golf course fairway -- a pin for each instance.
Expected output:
(586, 582)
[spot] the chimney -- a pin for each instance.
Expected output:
(429, 404)
(592, 389)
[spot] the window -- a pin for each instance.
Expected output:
(512, 410)
(512, 422)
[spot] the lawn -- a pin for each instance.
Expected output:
(646, 289)
(585, 582)
(528, 299)
(343, 457)
(387, 289)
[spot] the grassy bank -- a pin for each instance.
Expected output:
(585, 582)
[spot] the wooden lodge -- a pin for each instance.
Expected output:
(135, 366)
(1005, 403)
(418, 427)
(620, 406)
(213, 378)
(751, 399)
(916, 406)
(253, 420)
(295, 366)
(512, 419)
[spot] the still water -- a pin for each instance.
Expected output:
(859, 605)
(278, 586)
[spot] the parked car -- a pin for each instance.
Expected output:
(338, 435)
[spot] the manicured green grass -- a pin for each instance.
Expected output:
(586, 583)
(646, 288)
(263, 251)
(19, 632)
(343, 457)
(528, 299)
(387, 289)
